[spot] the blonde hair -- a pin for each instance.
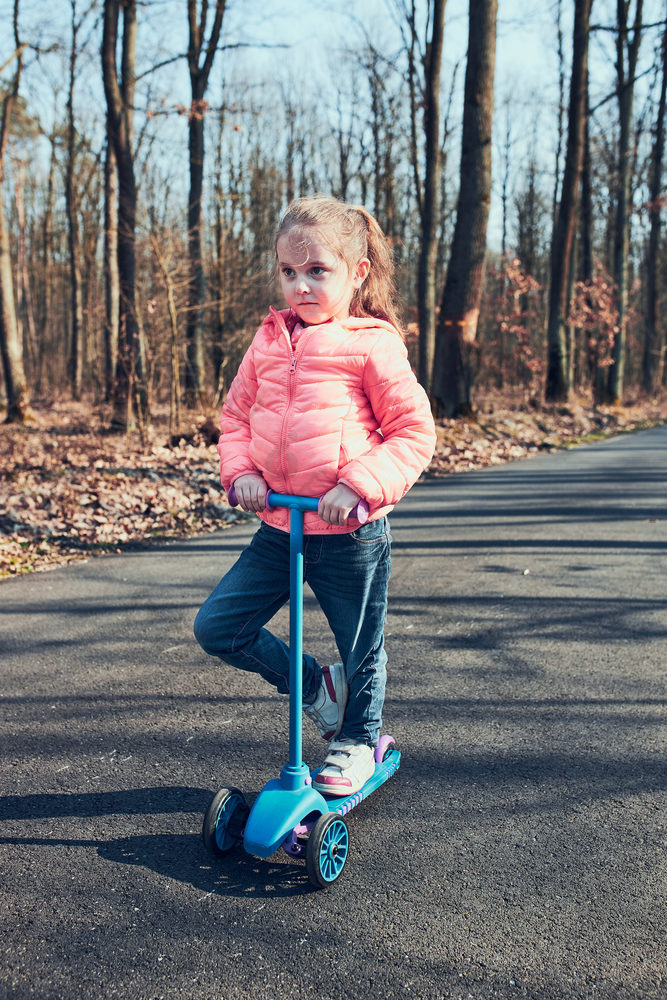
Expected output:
(352, 234)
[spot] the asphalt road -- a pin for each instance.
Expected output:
(518, 853)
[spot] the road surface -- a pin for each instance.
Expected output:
(518, 853)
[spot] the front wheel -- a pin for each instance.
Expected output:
(328, 847)
(225, 821)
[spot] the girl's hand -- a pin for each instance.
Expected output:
(336, 506)
(251, 492)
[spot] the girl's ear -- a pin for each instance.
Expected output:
(361, 273)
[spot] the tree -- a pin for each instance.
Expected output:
(653, 346)
(75, 361)
(119, 95)
(428, 192)
(461, 298)
(111, 280)
(558, 373)
(199, 77)
(16, 386)
(627, 51)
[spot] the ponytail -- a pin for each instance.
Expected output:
(377, 297)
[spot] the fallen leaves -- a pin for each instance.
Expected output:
(503, 435)
(68, 490)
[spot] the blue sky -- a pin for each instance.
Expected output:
(312, 36)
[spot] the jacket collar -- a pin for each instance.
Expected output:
(284, 321)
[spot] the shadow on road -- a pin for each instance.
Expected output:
(181, 857)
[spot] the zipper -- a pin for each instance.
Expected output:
(291, 372)
(291, 381)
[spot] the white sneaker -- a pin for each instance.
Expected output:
(347, 768)
(328, 709)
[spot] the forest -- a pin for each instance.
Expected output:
(512, 152)
(147, 149)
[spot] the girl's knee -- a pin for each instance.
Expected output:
(206, 633)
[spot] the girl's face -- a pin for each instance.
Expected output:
(317, 284)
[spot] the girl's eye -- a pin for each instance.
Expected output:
(317, 271)
(288, 272)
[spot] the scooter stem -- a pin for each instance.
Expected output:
(295, 763)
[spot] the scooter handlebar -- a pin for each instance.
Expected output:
(361, 512)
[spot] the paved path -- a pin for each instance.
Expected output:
(518, 853)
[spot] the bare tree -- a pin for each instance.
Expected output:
(627, 51)
(199, 77)
(425, 93)
(16, 386)
(561, 108)
(558, 373)
(653, 346)
(111, 281)
(461, 298)
(75, 361)
(119, 94)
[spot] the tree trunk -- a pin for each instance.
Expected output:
(219, 270)
(625, 77)
(11, 348)
(75, 360)
(175, 379)
(45, 292)
(652, 345)
(461, 298)
(25, 308)
(16, 387)
(120, 107)
(586, 263)
(561, 111)
(111, 283)
(199, 76)
(558, 384)
(430, 200)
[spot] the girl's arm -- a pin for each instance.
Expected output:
(385, 474)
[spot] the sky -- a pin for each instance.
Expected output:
(307, 38)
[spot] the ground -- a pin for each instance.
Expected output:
(69, 490)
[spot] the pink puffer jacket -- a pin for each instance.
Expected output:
(342, 406)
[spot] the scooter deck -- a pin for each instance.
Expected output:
(383, 771)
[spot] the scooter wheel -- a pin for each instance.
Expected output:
(328, 847)
(225, 821)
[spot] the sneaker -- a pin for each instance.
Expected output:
(347, 768)
(328, 709)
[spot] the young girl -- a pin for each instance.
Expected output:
(325, 404)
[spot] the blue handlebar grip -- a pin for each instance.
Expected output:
(361, 512)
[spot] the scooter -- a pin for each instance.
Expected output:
(289, 813)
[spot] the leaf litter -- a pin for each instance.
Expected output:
(68, 490)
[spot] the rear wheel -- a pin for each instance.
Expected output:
(225, 821)
(328, 847)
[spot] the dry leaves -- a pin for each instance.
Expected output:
(67, 490)
(502, 435)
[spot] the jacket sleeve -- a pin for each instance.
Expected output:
(385, 474)
(234, 443)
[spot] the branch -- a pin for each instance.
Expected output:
(613, 28)
(614, 93)
(220, 48)
(14, 55)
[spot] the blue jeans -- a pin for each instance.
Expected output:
(349, 575)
